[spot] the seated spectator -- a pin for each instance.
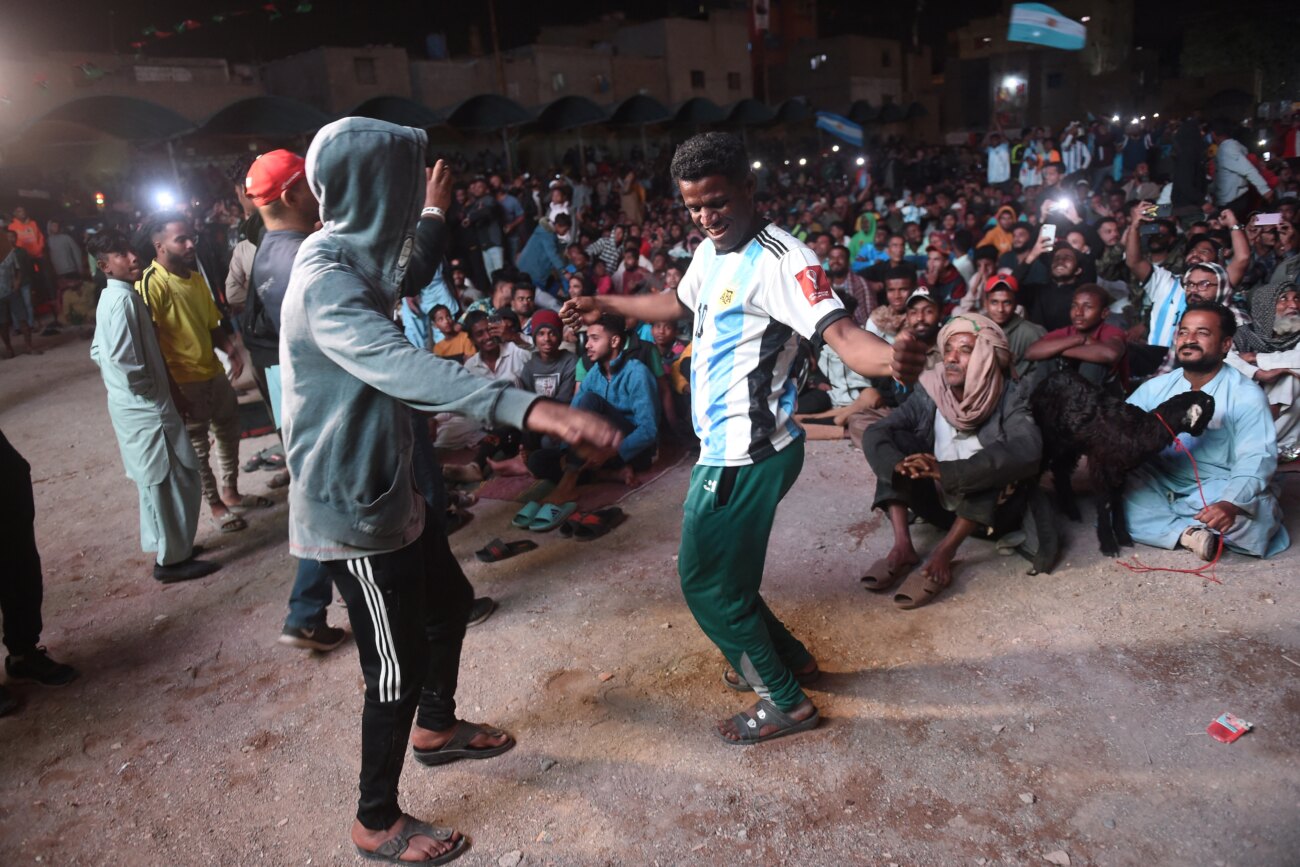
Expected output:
(962, 453)
(1267, 352)
(600, 278)
(550, 373)
(621, 389)
(1000, 306)
(504, 324)
(1048, 294)
(493, 359)
(1088, 344)
(985, 265)
(631, 279)
(457, 345)
(886, 321)
(922, 319)
(1236, 456)
(943, 280)
(852, 289)
(868, 253)
(894, 249)
(503, 290)
(1000, 236)
(523, 301)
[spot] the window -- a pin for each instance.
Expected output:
(733, 81)
(885, 60)
(364, 70)
(817, 61)
(697, 79)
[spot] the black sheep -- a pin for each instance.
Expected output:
(1078, 419)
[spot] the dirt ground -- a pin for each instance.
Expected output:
(1021, 716)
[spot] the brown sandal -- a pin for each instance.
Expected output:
(920, 589)
(880, 577)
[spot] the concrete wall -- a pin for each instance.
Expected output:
(338, 79)
(192, 87)
(718, 48)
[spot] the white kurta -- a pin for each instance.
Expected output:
(156, 450)
(1283, 392)
(1236, 457)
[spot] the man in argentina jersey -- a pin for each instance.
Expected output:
(753, 290)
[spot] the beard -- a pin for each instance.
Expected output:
(1022, 248)
(838, 273)
(1284, 325)
(1203, 363)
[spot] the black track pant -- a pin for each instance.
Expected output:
(20, 586)
(408, 613)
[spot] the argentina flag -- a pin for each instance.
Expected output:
(1043, 25)
(840, 127)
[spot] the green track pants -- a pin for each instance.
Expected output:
(728, 518)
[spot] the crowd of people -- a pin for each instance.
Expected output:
(576, 325)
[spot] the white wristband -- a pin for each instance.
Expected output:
(433, 212)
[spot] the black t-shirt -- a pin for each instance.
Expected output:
(268, 280)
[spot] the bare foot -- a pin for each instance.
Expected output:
(509, 467)
(939, 566)
(801, 711)
(420, 847)
(902, 558)
(427, 739)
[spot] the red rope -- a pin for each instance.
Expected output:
(1206, 571)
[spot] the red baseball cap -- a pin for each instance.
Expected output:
(271, 174)
(996, 280)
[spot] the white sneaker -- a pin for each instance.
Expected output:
(1201, 542)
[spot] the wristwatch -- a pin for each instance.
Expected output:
(431, 211)
(1239, 228)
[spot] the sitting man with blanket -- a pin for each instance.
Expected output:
(962, 453)
(1268, 351)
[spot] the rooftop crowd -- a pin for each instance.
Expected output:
(909, 300)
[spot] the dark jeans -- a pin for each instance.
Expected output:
(20, 589)
(552, 463)
(408, 616)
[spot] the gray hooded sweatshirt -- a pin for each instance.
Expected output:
(348, 373)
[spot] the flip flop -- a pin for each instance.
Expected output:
(805, 679)
(880, 577)
(918, 590)
(393, 847)
(525, 516)
(765, 713)
(458, 747)
(596, 524)
(496, 550)
(231, 523)
(549, 516)
(250, 502)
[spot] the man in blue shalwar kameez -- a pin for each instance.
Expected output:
(156, 450)
(1236, 456)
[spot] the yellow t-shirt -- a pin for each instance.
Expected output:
(186, 315)
(460, 345)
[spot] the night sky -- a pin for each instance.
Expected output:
(84, 25)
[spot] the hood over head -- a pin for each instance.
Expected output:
(368, 176)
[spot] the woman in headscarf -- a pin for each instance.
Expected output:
(864, 233)
(1268, 351)
(963, 454)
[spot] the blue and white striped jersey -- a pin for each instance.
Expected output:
(749, 306)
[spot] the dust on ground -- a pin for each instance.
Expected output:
(1019, 716)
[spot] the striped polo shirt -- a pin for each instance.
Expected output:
(751, 305)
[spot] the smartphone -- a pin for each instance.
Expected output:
(1049, 232)
(1273, 219)
(1160, 212)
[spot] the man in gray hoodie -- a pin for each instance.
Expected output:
(349, 378)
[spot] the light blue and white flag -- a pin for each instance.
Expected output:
(840, 127)
(1043, 25)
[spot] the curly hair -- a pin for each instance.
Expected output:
(711, 153)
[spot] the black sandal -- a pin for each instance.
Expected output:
(458, 747)
(764, 713)
(392, 848)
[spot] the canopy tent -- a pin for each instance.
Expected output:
(265, 116)
(794, 110)
(890, 113)
(571, 113)
(123, 117)
(698, 111)
(486, 112)
(398, 110)
(861, 112)
(639, 110)
(749, 112)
